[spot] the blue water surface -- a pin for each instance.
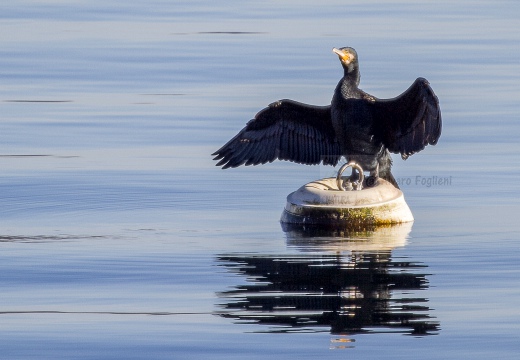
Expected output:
(121, 239)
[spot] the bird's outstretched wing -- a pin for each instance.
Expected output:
(285, 130)
(409, 122)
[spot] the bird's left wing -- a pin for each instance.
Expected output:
(285, 130)
(409, 122)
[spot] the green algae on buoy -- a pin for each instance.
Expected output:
(339, 202)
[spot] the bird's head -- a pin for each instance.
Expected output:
(346, 55)
(349, 60)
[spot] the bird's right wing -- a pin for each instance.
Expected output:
(285, 130)
(409, 122)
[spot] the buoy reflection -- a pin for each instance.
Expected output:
(348, 287)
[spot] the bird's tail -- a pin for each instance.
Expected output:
(389, 177)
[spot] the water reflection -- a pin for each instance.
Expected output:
(344, 283)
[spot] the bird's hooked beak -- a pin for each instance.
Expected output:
(344, 55)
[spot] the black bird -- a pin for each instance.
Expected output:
(356, 125)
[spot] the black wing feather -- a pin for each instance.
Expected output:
(409, 122)
(285, 130)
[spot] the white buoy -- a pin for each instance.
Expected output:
(338, 202)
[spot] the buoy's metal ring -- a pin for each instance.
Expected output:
(353, 165)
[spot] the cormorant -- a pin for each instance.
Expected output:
(356, 125)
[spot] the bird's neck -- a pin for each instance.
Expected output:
(351, 75)
(348, 85)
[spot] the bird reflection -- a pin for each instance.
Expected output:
(345, 284)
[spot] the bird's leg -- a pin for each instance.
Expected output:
(374, 175)
(353, 176)
(375, 172)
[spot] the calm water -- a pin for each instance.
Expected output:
(121, 239)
